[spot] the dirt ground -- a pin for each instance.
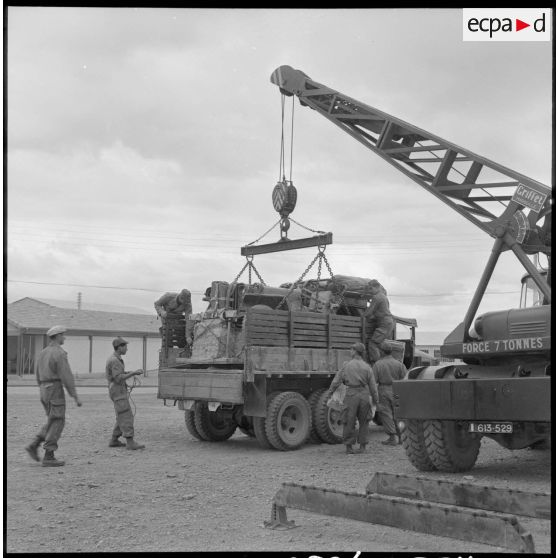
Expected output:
(180, 494)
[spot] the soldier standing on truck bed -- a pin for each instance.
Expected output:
(174, 309)
(357, 375)
(53, 375)
(379, 321)
(386, 370)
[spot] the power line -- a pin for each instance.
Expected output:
(203, 292)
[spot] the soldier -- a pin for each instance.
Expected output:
(173, 308)
(386, 370)
(118, 392)
(53, 375)
(380, 323)
(357, 375)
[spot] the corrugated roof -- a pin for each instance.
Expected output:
(86, 305)
(32, 314)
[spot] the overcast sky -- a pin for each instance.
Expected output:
(143, 147)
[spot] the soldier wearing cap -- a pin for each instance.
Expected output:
(118, 392)
(386, 370)
(379, 321)
(173, 308)
(357, 375)
(53, 375)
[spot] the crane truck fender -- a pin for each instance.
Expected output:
(430, 372)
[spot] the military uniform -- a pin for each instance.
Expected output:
(380, 322)
(118, 392)
(386, 370)
(53, 374)
(358, 377)
(177, 329)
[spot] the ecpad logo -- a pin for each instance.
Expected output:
(508, 24)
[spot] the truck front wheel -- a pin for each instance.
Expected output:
(289, 421)
(327, 421)
(415, 447)
(450, 447)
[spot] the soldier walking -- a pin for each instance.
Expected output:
(118, 392)
(53, 375)
(386, 370)
(357, 375)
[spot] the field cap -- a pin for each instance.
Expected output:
(119, 341)
(359, 348)
(385, 347)
(55, 330)
(374, 283)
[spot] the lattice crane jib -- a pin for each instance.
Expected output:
(511, 207)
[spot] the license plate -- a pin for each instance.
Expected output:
(491, 427)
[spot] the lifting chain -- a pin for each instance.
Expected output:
(249, 264)
(319, 256)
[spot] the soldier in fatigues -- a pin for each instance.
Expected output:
(380, 322)
(386, 370)
(357, 375)
(53, 375)
(118, 392)
(174, 309)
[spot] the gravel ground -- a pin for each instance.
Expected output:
(180, 494)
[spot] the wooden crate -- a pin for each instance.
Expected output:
(301, 329)
(216, 338)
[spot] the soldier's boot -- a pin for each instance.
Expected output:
(362, 448)
(131, 444)
(349, 449)
(116, 443)
(32, 448)
(391, 441)
(50, 461)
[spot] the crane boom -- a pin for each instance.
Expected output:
(481, 190)
(511, 207)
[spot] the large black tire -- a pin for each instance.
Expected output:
(449, 445)
(313, 401)
(212, 426)
(326, 421)
(289, 421)
(415, 446)
(190, 421)
(259, 432)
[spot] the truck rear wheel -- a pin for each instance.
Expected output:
(213, 426)
(190, 421)
(415, 446)
(289, 421)
(314, 438)
(327, 421)
(450, 447)
(259, 432)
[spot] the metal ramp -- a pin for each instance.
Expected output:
(462, 511)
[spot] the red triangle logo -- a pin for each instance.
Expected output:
(519, 25)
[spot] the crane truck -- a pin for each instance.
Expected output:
(500, 383)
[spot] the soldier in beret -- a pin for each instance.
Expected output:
(53, 375)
